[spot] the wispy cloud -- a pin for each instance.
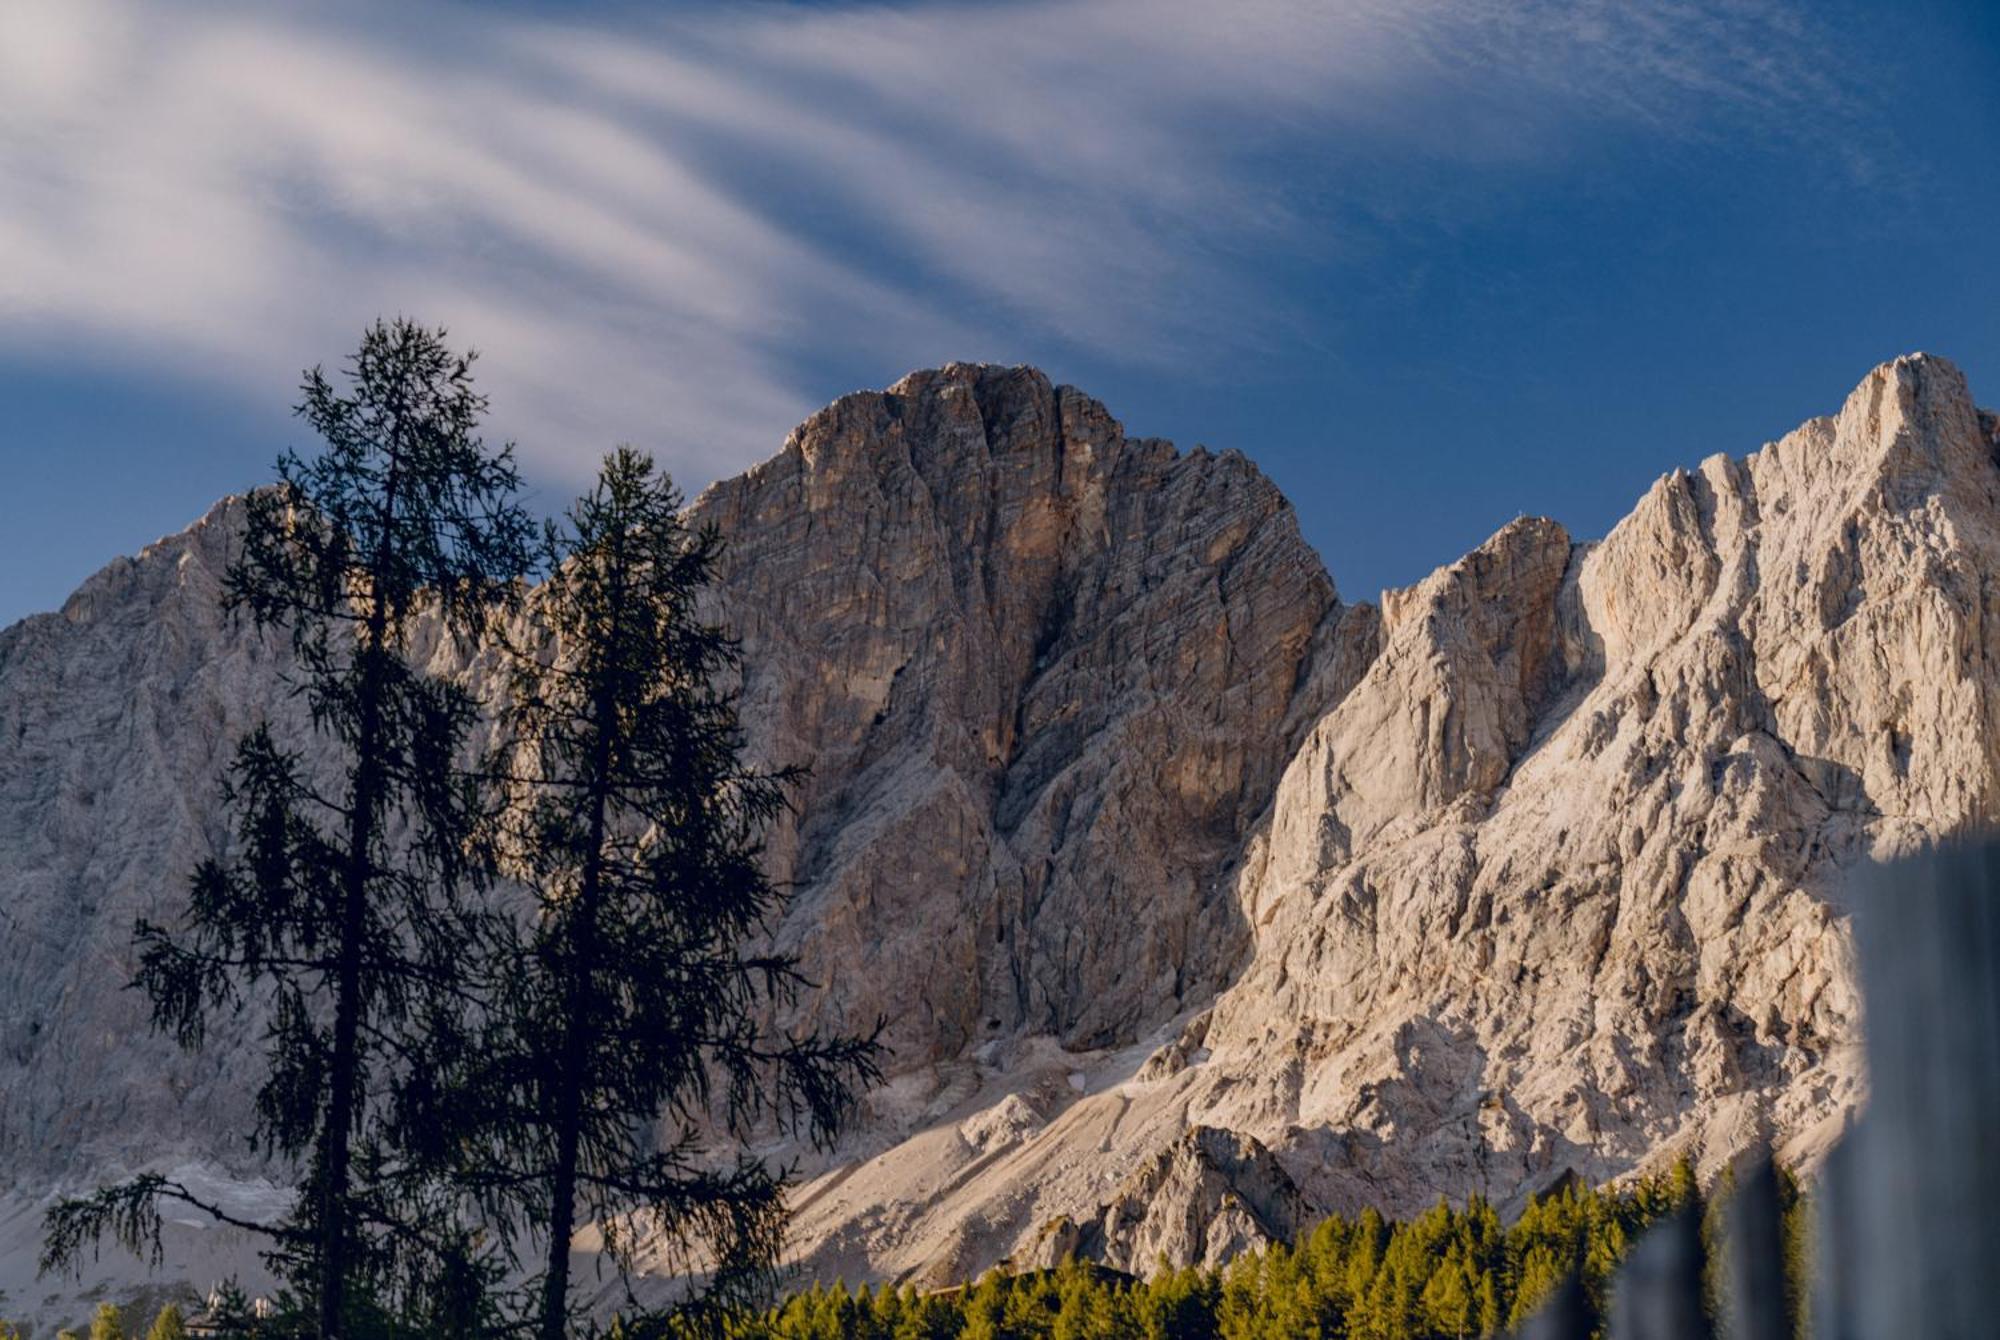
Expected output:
(653, 226)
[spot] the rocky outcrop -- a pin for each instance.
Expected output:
(1556, 888)
(1596, 918)
(1196, 901)
(1202, 1200)
(117, 715)
(1046, 677)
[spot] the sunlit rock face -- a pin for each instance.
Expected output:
(1046, 677)
(1195, 901)
(1556, 886)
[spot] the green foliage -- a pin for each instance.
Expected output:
(1448, 1274)
(230, 1315)
(168, 1325)
(1795, 1227)
(107, 1323)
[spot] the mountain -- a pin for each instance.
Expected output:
(1196, 899)
(1046, 678)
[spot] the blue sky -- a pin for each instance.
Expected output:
(1431, 263)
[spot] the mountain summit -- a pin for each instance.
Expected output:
(1198, 901)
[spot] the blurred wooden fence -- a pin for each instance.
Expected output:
(1906, 1230)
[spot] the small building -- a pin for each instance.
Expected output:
(227, 1312)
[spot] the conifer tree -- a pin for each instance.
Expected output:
(1491, 1316)
(1443, 1276)
(345, 903)
(1448, 1302)
(107, 1323)
(1541, 1271)
(230, 1314)
(168, 1324)
(630, 994)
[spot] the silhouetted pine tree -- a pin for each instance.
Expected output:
(630, 1000)
(345, 905)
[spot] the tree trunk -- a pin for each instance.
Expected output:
(570, 1082)
(572, 1074)
(569, 1096)
(344, 1065)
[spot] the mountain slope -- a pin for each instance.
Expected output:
(1555, 886)
(1195, 899)
(1046, 678)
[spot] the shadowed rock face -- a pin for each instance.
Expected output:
(1554, 887)
(1045, 676)
(117, 715)
(1195, 900)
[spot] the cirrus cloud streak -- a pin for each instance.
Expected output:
(674, 230)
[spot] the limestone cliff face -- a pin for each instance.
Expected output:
(117, 715)
(1196, 901)
(1045, 676)
(1556, 886)
(1202, 1200)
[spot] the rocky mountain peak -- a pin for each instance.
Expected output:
(1197, 901)
(1552, 889)
(1065, 662)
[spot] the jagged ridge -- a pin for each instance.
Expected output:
(1532, 871)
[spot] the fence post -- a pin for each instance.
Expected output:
(1836, 1262)
(1755, 1287)
(1922, 1199)
(1657, 1292)
(1562, 1317)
